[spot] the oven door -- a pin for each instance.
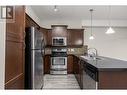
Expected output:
(58, 63)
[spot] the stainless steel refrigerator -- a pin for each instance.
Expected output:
(34, 53)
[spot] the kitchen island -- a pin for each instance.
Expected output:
(108, 73)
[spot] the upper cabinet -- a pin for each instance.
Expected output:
(44, 32)
(75, 37)
(49, 37)
(59, 30)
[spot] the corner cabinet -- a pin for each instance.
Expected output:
(75, 37)
(78, 70)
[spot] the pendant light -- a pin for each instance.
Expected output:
(55, 8)
(91, 34)
(110, 30)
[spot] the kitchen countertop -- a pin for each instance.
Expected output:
(106, 63)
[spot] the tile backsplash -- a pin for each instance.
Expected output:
(47, 50)
(81, 50)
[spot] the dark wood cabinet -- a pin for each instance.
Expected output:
(30, 22)
(15, 50)
(78, 71)
(45, 35)
(70, 64)
(49, 37)
(59, 30)
(112, 79)
(81, 73)
(47, 62)
(75, 37)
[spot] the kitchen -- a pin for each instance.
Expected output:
(74, 51)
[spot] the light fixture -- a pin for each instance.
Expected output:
(55, 8)
(110, 30)
(91, 34)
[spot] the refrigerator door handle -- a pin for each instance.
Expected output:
(42, 48)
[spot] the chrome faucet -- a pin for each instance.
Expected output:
(92, 54)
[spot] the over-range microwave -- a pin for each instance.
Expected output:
(59, 41)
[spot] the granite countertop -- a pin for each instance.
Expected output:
(106, 63)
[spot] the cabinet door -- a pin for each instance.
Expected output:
(81, 74)
(59, 31)
(75, 37)
(49, 37)
(70, 64)
(76, 68)
(47, 64)
(14, 67)
(45, 35)
(74, 65)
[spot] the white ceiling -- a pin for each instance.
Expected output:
(80, 12)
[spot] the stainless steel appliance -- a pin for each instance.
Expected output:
(58, 61)
(90, 77)
(59, 41)
(34, 53)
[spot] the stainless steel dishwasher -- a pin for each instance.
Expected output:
(90, 77)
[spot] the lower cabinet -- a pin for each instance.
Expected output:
(70, 64)
(78, 71)
(47, 63)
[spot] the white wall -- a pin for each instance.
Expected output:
(114, 45)
(103, 23)
(2, 53)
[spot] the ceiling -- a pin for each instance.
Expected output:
(80, 12)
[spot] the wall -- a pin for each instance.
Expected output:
(2, 53)
(114, 45)
(103, 23)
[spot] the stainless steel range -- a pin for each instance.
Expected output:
(59, 61)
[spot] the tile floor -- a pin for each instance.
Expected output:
(60, 82)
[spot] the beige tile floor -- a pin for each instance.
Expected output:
(60, 82)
